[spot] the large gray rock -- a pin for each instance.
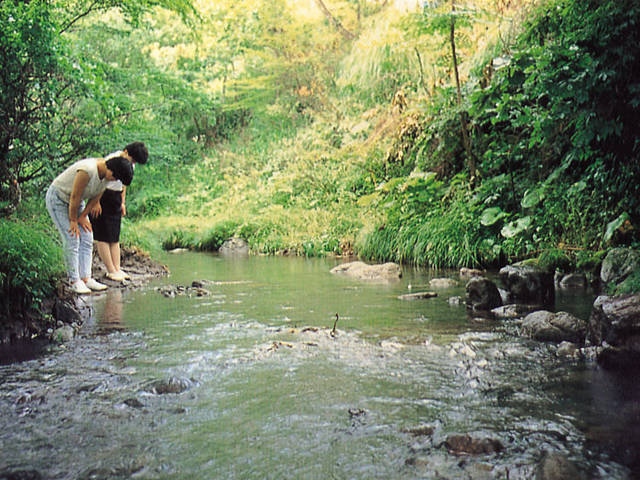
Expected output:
(528, 284)
(615, 323)
(234, 247)
(619, 264)
(482, 295)
(555, 327)
(381, 272)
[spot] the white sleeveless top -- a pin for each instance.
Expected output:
(64, 182)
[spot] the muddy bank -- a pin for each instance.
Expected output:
(63, 309)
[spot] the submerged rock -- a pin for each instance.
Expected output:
(513, 310)
(442, 283)
(471, 272)
(20, 475)
(420, 431)
(417, 296)
(171, 385)
(171, 291)
(468, 445)
(555, 466)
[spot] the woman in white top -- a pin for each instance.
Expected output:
(83, 181)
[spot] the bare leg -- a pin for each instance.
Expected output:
(114, 251)
(104, 252)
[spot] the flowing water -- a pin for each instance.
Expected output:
(265, 388)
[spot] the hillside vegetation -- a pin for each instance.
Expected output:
(456, 134)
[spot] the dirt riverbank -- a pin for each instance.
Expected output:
(62, 308)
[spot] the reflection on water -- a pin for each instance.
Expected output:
(249, 382)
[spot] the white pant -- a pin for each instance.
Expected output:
(78, 252)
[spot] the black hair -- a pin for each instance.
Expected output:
(122, 169)
(138, 152)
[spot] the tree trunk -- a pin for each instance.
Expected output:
(464, 124)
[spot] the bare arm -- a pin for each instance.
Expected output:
(96, 209)
(80, 182)
(124, 205)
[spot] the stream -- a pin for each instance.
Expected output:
(251, 381)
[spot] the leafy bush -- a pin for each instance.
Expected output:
(213, 239)
(30, 265)
(561, 118)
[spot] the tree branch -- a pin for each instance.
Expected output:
(334, 21)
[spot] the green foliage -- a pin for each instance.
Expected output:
(178, 239)
(631, 284)
(29, 86)
(559, 118)
(213, 239)
(425, 229)
(30, 266)
(260, 125)
(555, 259)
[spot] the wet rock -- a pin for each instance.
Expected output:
(558, 327)
(417, 296)
(482, 294)
(471, 272)
(419, 461)
(573, 280)
(555, 466)
(468, 445)
(357, 412)
(567, 349)
(442, 283)
(65, 311)
(362, 271)
(171, 385)
(619, 264)
(615, 325)
(63, 334)
(454, 301)
(133, 403)
(513, 310)
(528, 284)
(171, 291)
(234, 247)
(20, 475)
(420, 431)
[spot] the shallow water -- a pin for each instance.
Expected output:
(270, 392)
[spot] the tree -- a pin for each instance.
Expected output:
(44, 90)
(29, 50)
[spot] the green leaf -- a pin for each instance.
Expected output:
(615, 225)
(491, 216)
(532, 198)
(516, 227)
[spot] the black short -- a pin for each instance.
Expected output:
(106, 227)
